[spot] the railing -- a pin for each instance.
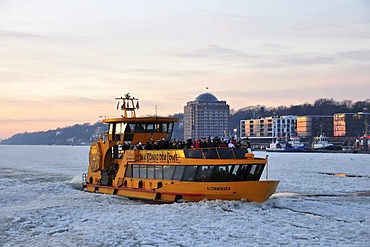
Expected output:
(215, 153)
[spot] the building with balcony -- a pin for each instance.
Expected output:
(267, 128)
(206, 116)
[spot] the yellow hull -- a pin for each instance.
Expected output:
(254, 191)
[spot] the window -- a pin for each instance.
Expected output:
(189, 173)
(238, 173)
(178, 172)
(163, 127)
(221, 173)
(204, 173)
(135, 171)
(142, 171)
(129, 171)
(170, 127)
(140, 128)
(130, 128)
(150, 127)
(158, 172)
(168, 172)
(151, 172)
(118, 128)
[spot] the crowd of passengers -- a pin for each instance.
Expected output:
(189, 144)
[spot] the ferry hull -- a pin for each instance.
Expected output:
(254, 191)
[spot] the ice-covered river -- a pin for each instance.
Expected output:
(322, 200)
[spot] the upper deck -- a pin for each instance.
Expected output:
(132, 129)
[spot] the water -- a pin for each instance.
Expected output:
(322, 200)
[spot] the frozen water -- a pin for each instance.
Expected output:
(41, 205)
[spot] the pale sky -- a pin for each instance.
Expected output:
(64, 62)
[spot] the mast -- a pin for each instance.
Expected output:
(129, 105)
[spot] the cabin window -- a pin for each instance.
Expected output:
(135, 171)
(130, 128)
(168, 172)
(197, 173)
(170, 127)
(142, 171)
(140, 128)
(128, 171)
(150, 128)
(221, 173)
(151, 172)
(110, 131)
(158, 172)
(119, 129)
(258, 172)
(178, 172)
(189, 173)
(163, 128)
(253, 169)
(204, 173)
(238, 173)
(254, 173)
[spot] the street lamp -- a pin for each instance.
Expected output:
(235, 130)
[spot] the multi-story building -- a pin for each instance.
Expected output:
(206, 116)
(311, 126)
(268, 128)
(351, 124)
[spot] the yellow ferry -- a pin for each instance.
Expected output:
(119, 165)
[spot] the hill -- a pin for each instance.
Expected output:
(84, 134)
(79, 134)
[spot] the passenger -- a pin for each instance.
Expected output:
(231, 145)
(148, 146)
(249, 146)
(189, 144)
(139, 146)
(223, 144)
(233, 140)
(155, 146)
(175, 144)
(197, 144)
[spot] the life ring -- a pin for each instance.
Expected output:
(95, 157)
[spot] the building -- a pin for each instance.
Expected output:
(351, 125)
(311, 126)
(267, 128)
(206, 116)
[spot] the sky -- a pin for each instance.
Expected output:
(63, 62)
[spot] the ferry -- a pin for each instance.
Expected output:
(133, 159)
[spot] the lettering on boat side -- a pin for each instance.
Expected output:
(218, 188)
(158, 157)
